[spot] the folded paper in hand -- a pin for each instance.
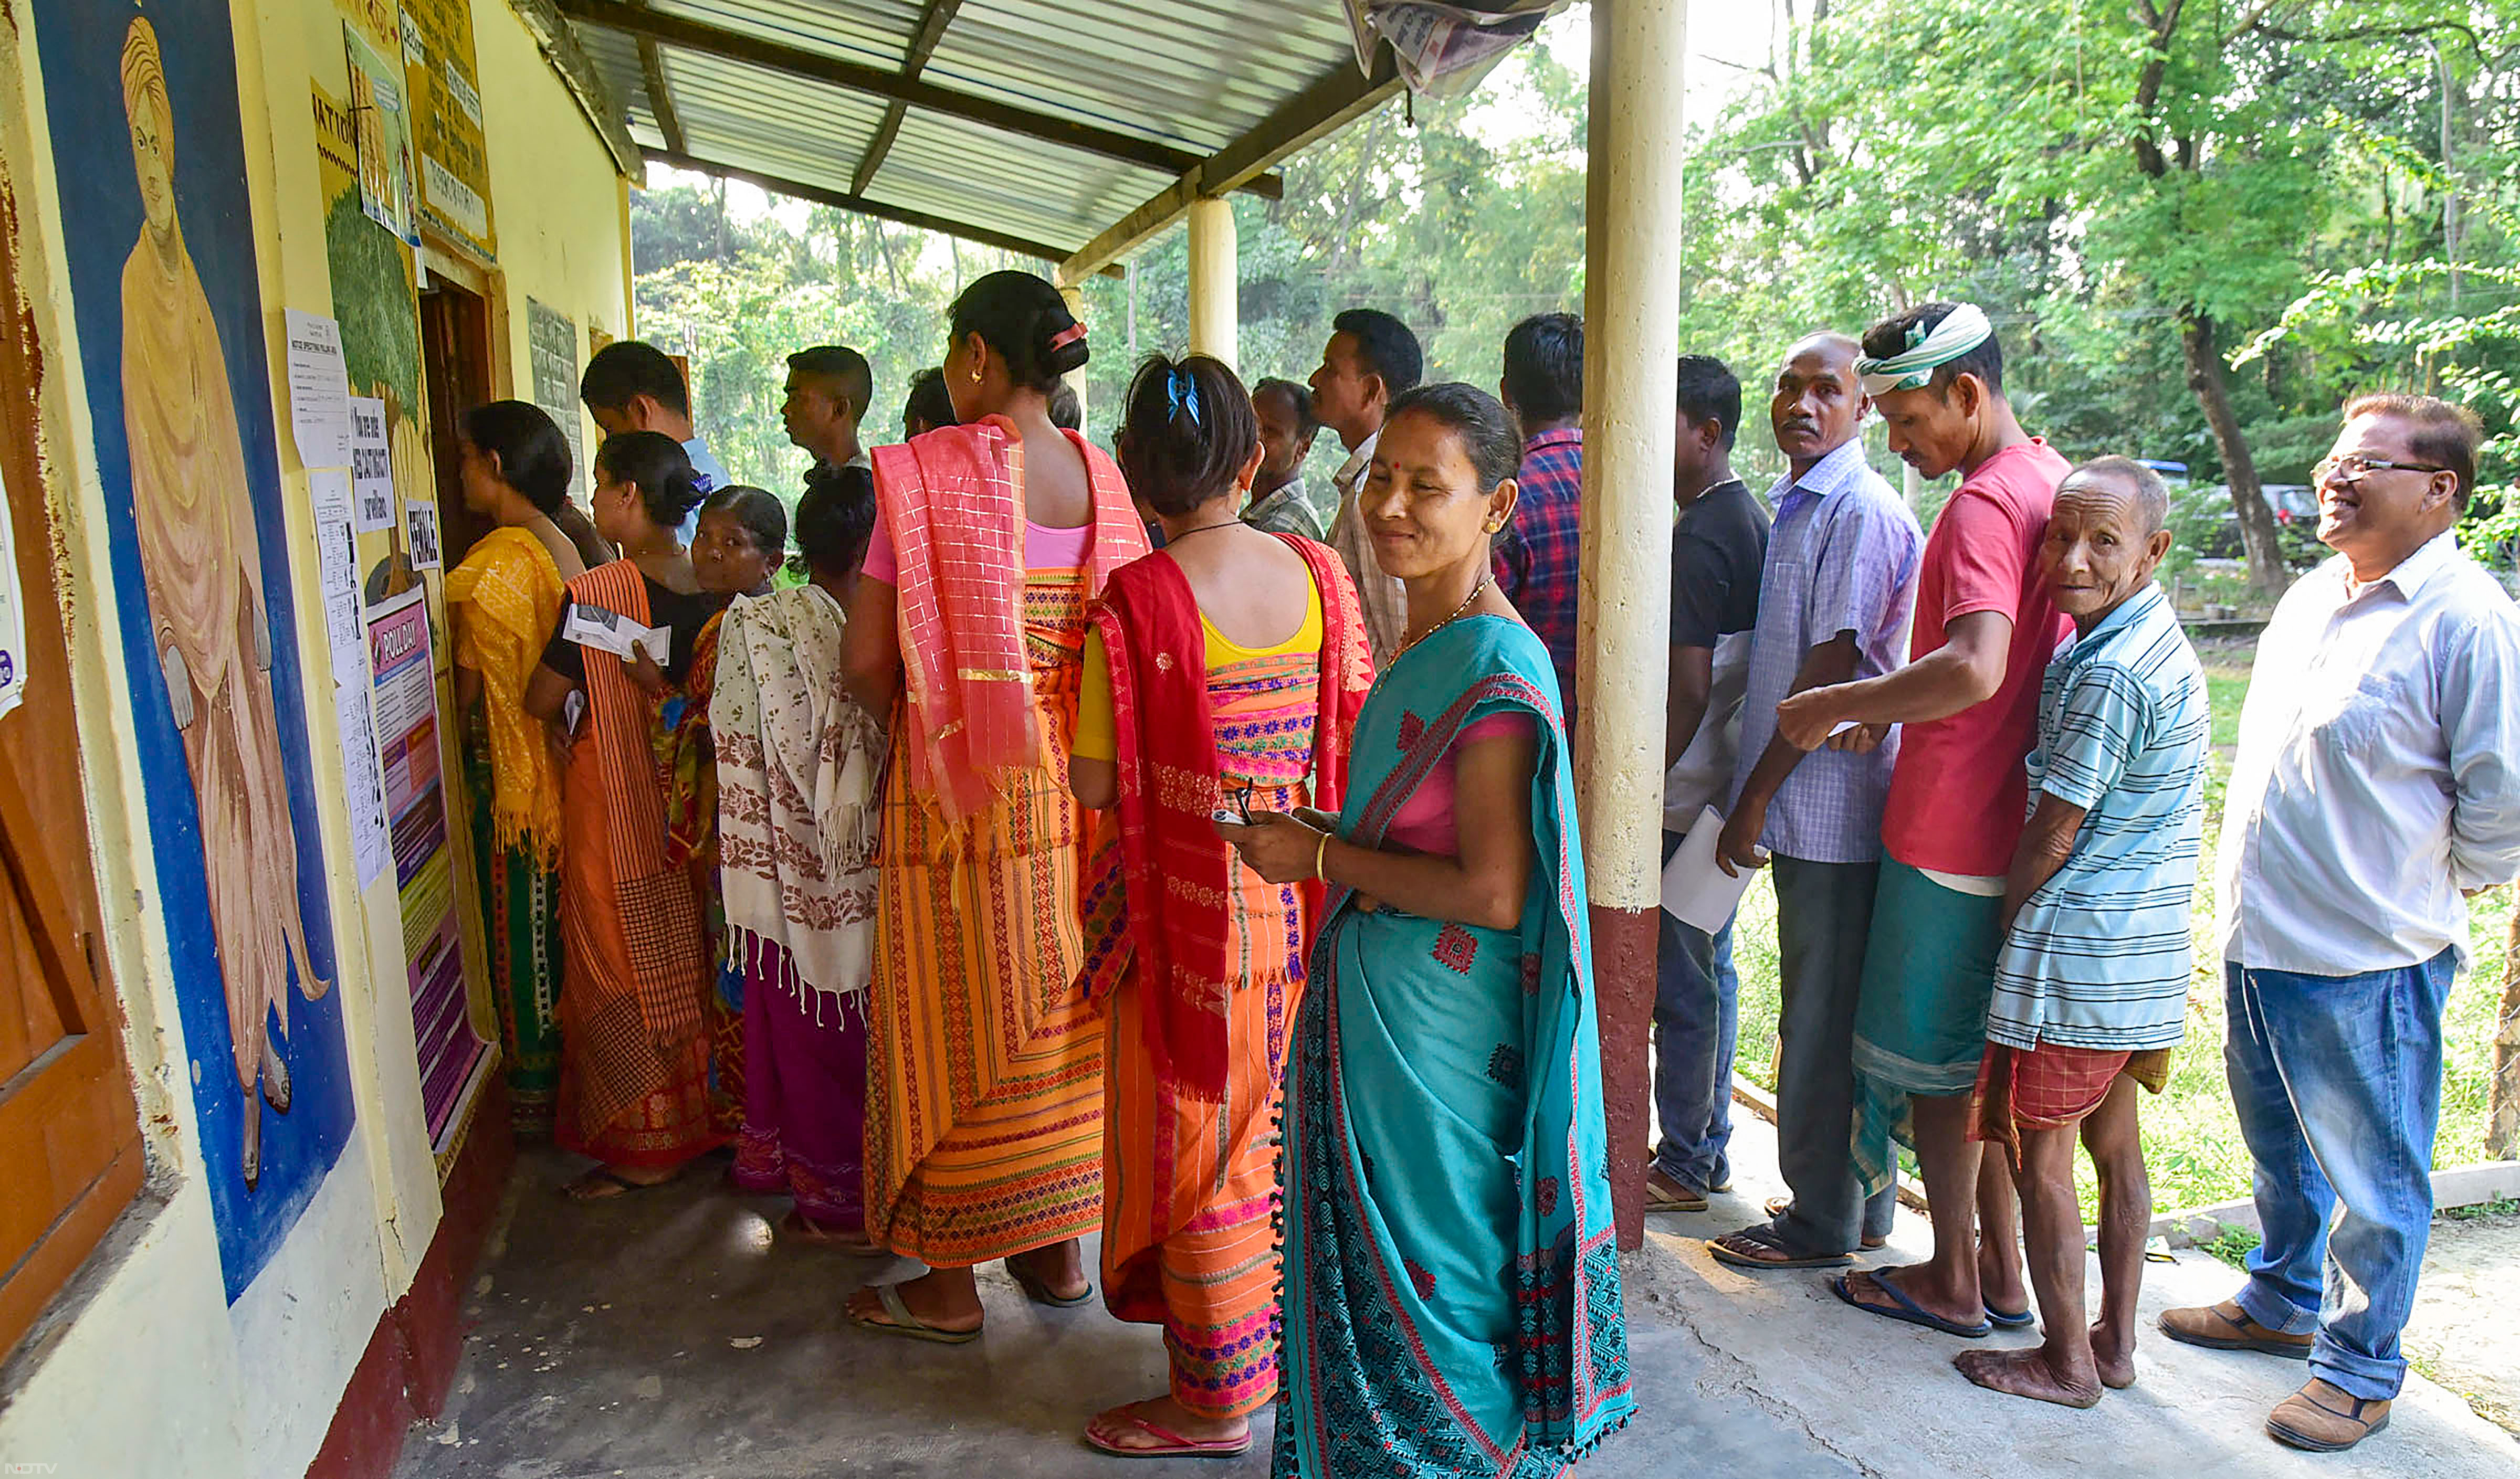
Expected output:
(1696, 891)
(592, 626)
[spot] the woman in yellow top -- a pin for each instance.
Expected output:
(503, 600)
(1221, 673)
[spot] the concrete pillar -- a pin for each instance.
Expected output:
(1631, 349)
(1215, 296)
(1074, 297)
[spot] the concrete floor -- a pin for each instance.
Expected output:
(666, 1333)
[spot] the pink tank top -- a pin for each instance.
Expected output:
(1045, 548)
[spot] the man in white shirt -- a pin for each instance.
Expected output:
(1372, 358)
(2373, 789)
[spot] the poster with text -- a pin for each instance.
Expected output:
(446, 122)
(158, 236)
(405, 679)
(553, 338)
(384, 134)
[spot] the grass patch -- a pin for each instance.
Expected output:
(2500, 1206)
(2192, 1138)
(2233, 1245)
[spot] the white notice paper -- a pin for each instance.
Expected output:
(371, 842)
(372, 493)
(1696, 891)
(319, 390)
(13, 616)
(336, 557)
(592, 626)
(420, 535)
(347, 637)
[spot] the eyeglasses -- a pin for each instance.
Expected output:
(2346, 471)
(1240, 794)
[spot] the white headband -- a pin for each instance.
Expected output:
(1961, 330)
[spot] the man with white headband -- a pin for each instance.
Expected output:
(1967, 704)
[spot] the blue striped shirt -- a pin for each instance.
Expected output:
(2100, 956)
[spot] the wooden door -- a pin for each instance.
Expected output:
(455, 354)
(70, 1132)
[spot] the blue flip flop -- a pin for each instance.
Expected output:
(2010, 1319)
(1909, 1311)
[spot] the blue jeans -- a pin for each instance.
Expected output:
(1697, 1017)
(1823, 920)
(2337, 1080)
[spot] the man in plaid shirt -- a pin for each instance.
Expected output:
(1536, 559)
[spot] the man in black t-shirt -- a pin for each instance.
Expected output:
(1718, 549)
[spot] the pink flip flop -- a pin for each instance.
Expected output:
(1175, 1444)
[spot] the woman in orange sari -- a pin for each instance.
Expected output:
(505, 598)
(1221, 675)
(634, 1045)
(984, 1112)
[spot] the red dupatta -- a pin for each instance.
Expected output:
(1177, 874)
(951, 502)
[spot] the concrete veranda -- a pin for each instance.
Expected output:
(665, 1334)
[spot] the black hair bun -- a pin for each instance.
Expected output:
(1063, 349)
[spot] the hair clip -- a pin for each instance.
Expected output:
(1067, 337)
(1181, 389)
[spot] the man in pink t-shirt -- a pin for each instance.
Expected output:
(1968, 703)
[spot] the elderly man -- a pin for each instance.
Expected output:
(1835, 593)
(1967, 708)
(2091, 990)
(2374, 788)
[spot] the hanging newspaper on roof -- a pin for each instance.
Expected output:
(1444, 47)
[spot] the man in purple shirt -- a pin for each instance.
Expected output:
(1834, 598)
(1536, 557)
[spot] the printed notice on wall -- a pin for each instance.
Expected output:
(383, 127)
(421, 539)
(370, 843)
(372, 491)
(319, 390)
(446, 120)
(553, 336)
(13, 616)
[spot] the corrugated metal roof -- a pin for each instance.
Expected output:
(1032, 123)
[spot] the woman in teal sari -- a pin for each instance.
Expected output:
(1451, 1300)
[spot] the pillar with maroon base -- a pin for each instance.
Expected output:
(1631, 353)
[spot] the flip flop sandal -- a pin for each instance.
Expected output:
(1909, 1310)
(2007, 1320)
(1766, 1237)
(1175, 1446)
(1664, 1201)
(585, 1188)
(799, 1228)
(1038, 1290)
(900, 1321)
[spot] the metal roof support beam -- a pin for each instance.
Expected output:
(1319, 110)
(578, 73)
(860, 205)
(660, 98)
(756, 51)
(923, 45)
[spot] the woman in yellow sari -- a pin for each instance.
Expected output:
(984, 1113)
(636, 983)
(505, 599)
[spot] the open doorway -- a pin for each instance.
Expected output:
(455, 350)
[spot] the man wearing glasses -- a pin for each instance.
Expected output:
(2374, 788)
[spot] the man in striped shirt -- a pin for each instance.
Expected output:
(2091, 990)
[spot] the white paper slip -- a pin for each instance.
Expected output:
(611, 632)
(1696, 891)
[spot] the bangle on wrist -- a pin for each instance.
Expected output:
(1321, 850)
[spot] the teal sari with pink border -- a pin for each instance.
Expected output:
(1452, 1283)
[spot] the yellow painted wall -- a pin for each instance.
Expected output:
(147, 1371)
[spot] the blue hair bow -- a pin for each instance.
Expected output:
(1181, 387)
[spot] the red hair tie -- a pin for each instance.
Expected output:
(1067, 336)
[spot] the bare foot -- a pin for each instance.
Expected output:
(796, 1227)
(1161, 1425)
(2114, 1352)
(605, 1182)
(1916, 1282)
(2026, 1373)
(936, 1302)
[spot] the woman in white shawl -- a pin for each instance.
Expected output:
(797, 766)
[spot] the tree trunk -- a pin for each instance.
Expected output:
(2502, 1122)
(2204, 356)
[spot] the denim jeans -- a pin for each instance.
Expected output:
(1696, 1015)
(1823, 918)
(2337, 1080)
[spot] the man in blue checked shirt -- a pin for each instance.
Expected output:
(2091, 988)
(1537, 556)
(1835, 599)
